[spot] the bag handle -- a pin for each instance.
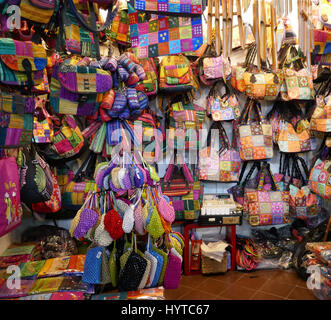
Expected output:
(266, 170)
(87, 168)
(222, 136)
(256, 165)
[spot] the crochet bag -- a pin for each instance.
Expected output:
(154, 224)
(153, 36)
(221, 164)
(22, 63)
(266, 207)
(176, 75)
(222, 103)
(39, 11)
(320, 176)
(36, 178)
(10, 203)
(78, 90)
(255, 137)
(42, 123)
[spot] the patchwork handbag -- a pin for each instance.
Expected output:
(222, 103)
(14, 102)
(176, 74)
(10, 202)
(76, 191)
(22, 63)
(120, 28)
(321, 118)
(78, 90)
(322, 42)
(39, 11)
(303, 203)
(255, 136)
(320, 175)
(153, 35)
(221, 164)
(266, 207)
(42, 123)
(150, 84)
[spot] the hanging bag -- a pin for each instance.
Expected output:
(42, 124)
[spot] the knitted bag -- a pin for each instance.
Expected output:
(267, 207)
(154, 224)
(113, 224)
(173, 270)
(78, 90)
(113, 267)
(255, 137)
(10, 202)
(36, 179)
(21, 63)
(159, 262)
(164, 206)
(164, 266)
(39, 11)
(92, 266)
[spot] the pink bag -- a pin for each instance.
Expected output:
(10, 201)
(164, 207)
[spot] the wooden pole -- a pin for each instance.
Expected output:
(256, 18)
(217, 27)
(225, 29)
(209, 22)
(230, 25)
(263, 31)
(273, 37)
(240, 24)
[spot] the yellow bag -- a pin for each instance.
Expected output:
(39, 11)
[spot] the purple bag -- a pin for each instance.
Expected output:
(173, 271)
(10, 201)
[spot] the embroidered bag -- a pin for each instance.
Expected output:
(120, 28)
(267, 207)
(255, 137)
(78, 90)
(10, 203)
(321, 118)
(42, 123)
(153, 35)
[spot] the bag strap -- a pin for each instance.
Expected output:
(86, 170)
(256, 165)
(223, 138)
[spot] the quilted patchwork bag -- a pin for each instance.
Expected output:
(42, 123)
(321, 118)
(39, 11)
(322, 42)
(78, 90)
(152, 35)
(13, 102)
(176, 75)
(255, 136)
(266, 207)
(222, 105)
(150, 84)
(22, 63)
(219, 165)
(120, 28)
(303, 203)
(320, 178)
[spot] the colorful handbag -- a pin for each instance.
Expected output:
(321, 118)
(22, 63)
(219, 165)
(266, 207)
(177, 7)
(255, 137)
(39, 11)
(13, 102)
(303, 203)
(42, 123)
(322, 42)
(222, 104)
(120, 29)
(176, 75)
(150, 84)
(153, 35)
(78, 90)
(10, 203)
(320, 176)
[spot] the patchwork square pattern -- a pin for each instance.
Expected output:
(320, 178)
(175, 34)
(321, 118)
(175, 6)
(266, 207)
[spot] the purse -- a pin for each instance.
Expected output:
(10, 202)
(150, 84)
(120, 28)
(42, 123)
(255, 137)
(22, 63)
(266, 207)
(153, 36)
(78, 90)
(320, 175)
(222, 164)
(38, 11)
(222, 103)
(36, 178)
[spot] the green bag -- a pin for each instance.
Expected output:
(113, 267)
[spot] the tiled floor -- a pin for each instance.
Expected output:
(235, 285)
